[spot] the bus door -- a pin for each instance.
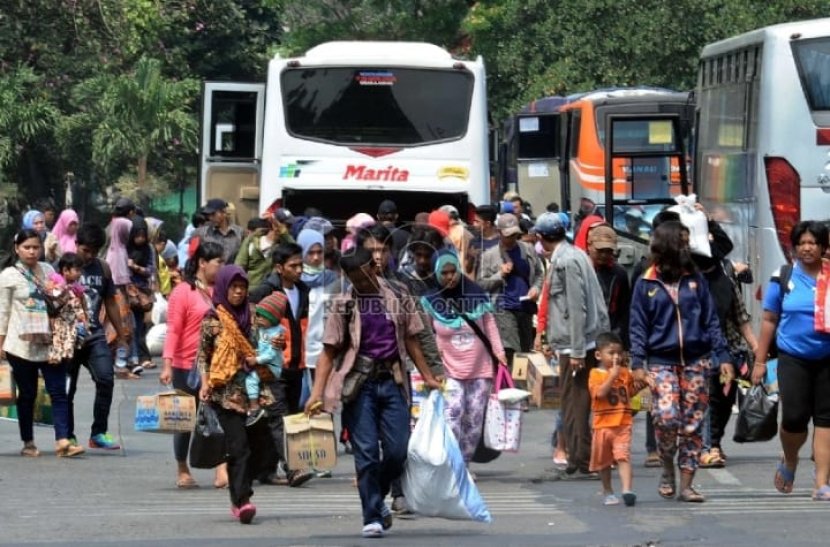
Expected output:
(537, 159)
(644, 142)
(569, 130)
(231, 146)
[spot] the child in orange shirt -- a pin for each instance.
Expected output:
(611, 386)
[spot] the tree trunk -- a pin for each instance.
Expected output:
(141, 181)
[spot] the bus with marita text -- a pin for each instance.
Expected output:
(763, 140)
(346, 126)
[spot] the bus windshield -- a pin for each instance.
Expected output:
(377, 106)
(813, 60)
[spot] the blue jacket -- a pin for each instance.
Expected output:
(665, 333)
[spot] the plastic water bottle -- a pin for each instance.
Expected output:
(121, 357)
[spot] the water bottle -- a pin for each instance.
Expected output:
(121, 357)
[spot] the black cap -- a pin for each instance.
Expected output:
(123, 207)
(213, 205)
(387, 207)
(284, 216)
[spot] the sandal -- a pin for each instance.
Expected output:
(822, 494)
(299, 477)
(30, 450)
(690, 495)
(712, 460)
(148, 365)
(784, 478)
(68, 450)
(653, 460)
(188, 483)
(667, 488)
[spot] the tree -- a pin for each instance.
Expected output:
(137, 114)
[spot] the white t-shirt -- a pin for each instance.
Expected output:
(293, 300)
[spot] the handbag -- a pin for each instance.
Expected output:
(483, 453)
(503, 420)
(207, 447)
(140, 300)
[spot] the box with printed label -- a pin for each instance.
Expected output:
(171, 411)
(543, 383)
(310, 442)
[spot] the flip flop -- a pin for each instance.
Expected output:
(667, 488)
(690, 495)
(822, 494)
(187, 484)
(784, 478)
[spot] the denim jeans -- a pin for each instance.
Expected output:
(25, 376)
(377, 420)
(97, 358)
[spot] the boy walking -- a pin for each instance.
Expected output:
(612, 386)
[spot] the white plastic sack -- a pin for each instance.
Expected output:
(435, 480)
(513, 395)
(503, 421)
(696, 222)
(158, 314)
(155, 339)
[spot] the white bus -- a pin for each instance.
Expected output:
(763, 139)
(346, 126)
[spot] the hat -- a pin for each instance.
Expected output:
(602, 236)
(318, 224)
(123, 206)
(526, 225)
(510, 195)
(169, 250)
(440, 220)
(273, 307)
(451, 210)
(284, 216)
(359, 221)
(213, 205)
(547, 224)
(387, 207)
(508, 224)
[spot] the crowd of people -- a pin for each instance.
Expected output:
(283, 317)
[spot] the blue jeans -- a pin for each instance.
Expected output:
(97, 357)
(25, 376)
(377, 419)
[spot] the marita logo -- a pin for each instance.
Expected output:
(390, 174)
(290, 171)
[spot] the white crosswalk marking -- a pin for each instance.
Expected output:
(751, 501)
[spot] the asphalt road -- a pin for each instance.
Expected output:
(129, 498)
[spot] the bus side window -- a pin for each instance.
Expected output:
(576, 122)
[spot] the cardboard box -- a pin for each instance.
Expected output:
(7, 391)
(171, 411)
(543, 383)
(310, 442)
(520, 363)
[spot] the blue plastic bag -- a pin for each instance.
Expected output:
(435, 480)
(305, 390)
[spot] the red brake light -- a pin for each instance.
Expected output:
(823, 136)
(375, 152)
(785, 198)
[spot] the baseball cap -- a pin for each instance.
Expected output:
(215, 204)
(387, 207)
(602, 236)
(284, 216)
(508, 224)
(450, 210)
(318, 224)
(440, 220)
(547, 224)
(123, 206)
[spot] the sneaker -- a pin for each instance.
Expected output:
(611, 499)
(138, 370)
(373, 530)
(629, 498)
(247, 513)
(254, 416)
(387, 519)
(104, 441)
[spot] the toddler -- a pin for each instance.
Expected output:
(269, 314)
(69, 327)
(611, 386)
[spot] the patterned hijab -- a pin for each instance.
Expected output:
(224, 278)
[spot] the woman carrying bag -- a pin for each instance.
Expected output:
(454, 310)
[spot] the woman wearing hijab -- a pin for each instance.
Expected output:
(468, 366)
(62, 238)
(35, 220)
(118, 260)
(226, 355)
(322, 283)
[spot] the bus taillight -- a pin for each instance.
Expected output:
(823, 136)
(785, 197)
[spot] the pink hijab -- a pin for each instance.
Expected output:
(66, 241)
(117, 253)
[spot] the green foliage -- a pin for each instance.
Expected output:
(311, 22)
